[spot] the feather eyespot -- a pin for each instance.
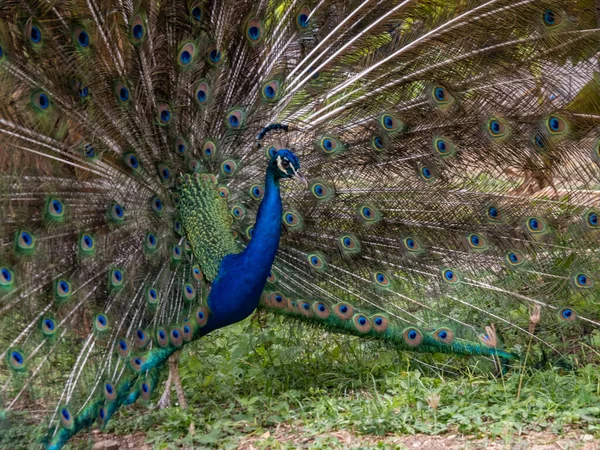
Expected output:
(271, 90)
(381, 279)
(321, 190)
(150, 242)
(35, 34)
(303, 18)
(477, 242)
(316, 261)
(362, 323)
(40, 101)
(493, 213)
(539, 142)
(196, 272)
(390, 123)
(188, 332)
(378, 143)
(330, 145)
(116, 279)
(412, 337)
(497, 128)
(272, 278)
(380, 323)
(152, 296)
(441, 97)
(238, 212)
(368, 214)
(235, 119)
(122, 93)
(254, 31)
(535, 225)
(196, 13)
(321, 310)
(292, 220)
(256, 192)
(444, 147)
(81, 38)
(514, 259)
(164, 114)
(189, 292)
(138, 29)
(89, 152)
(201, 315)
(131, 161)
(66, 418)
(176, 337)
(16, 359)
(176, 253)
(145, 390)
(209, 149)
(181, 146)
(87, 245)
(101, 322)
(7, 278)
(214, 56)
(162, 337)
(305, 308)
(157, 205)
(450, 276)
(116, 213)
(48, 326)
(138, 363)
(62, 290)
(567, 315)
(426, 173)
(202, 92)
(556, 125)
(223, 192)
(186, 55)
(55, 210)
(349, 244)
(344, 311)
(551, 18)
(140, 338)
(25, 242)
(583, 280)
(444, 335)
(178, 228)
(279, 301)
(592, 219)
(123, 348)
(412, 244)
(228, 167)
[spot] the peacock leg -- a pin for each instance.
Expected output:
(173, 379)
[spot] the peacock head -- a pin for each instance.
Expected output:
(287, 165)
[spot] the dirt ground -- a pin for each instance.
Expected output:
(347, 440)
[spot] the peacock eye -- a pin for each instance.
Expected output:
(285, 163)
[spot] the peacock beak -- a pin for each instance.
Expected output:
(300, 177)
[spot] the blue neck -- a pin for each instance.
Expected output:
(242, 277)
(267, 231)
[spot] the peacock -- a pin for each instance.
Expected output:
(424, 173)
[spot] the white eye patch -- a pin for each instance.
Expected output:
(280, 165)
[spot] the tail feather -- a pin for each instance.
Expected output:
(452, 151)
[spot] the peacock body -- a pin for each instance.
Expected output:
(450, 149)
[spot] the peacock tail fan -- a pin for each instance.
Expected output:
(451, 150)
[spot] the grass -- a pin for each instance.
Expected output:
(251, 381)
